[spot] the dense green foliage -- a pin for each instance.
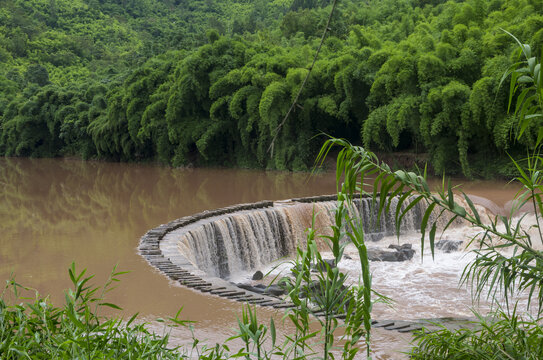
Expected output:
(207, 82)
(40, 330)
(503, 336)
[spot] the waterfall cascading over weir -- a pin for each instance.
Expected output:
(250, 239)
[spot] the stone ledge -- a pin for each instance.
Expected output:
(162, 255)
(177, 268)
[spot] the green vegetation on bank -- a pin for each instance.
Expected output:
(207, 82)
(39, 330)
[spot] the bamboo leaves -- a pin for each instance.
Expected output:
(493, 271)
(496, 271)
(395, 85)
(36, 329)
(526, 77)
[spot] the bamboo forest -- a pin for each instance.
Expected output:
(271, 179)
(207, 82)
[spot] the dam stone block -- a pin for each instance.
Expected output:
(270, 303)
(265, 302)
(197, 285)
(150, 251)
(147, 246)
(283, 306)
(218, 288)
(237, 294)
(174, 277)
(151, 241)
(225, 292)
(179, 273)
(168, 265)
(258, 301)
(153, 259)
(410, 328)
(187, 279)
(398, 325)
(384, 323)
(166, 269)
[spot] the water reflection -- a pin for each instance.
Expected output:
(55, 211)
(68, 196)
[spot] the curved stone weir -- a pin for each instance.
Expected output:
(203, 250)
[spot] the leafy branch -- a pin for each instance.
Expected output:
(355, 164)
(526, 78)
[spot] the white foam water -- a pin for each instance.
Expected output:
(234, 246)
(424, 287)
(229, 245)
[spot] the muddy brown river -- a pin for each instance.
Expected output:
(55, 211)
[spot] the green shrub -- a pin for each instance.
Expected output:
(38, 330)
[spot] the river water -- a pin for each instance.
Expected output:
(56, 211)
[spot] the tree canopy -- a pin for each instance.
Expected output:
(207, 82)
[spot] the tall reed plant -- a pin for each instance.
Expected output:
(32, 328)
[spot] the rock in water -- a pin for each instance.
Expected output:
(258, 275)
(403, 252)
(448, 245)
(274, 290)
(251, 288)
(405, 249)
(322, 267)
(400, 247)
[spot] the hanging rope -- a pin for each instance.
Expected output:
(295, 102)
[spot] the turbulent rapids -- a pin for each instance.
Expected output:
(229, 244)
